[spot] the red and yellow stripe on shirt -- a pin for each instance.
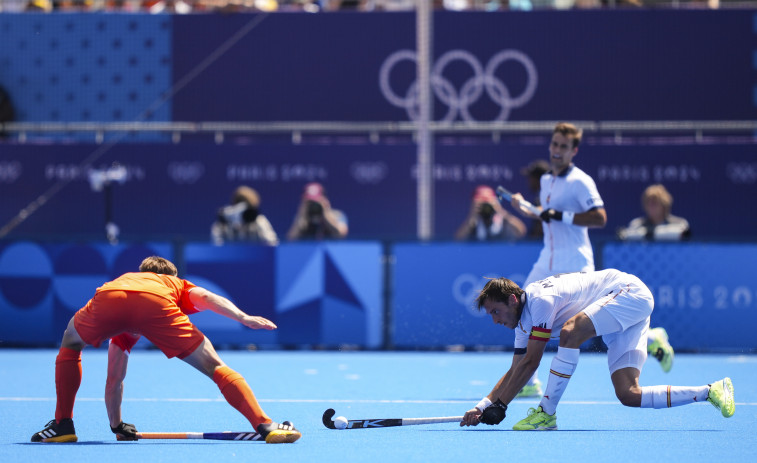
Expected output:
(540, 334)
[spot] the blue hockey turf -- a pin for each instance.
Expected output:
(168, 395)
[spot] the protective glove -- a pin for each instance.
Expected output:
(125, 431)
(494, 413)
(551, 214)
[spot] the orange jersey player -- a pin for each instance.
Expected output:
(153, 303)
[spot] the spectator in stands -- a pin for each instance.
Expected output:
(533, 173)
(316, 219)
(168, 6)
(658, 224)
(488, 221)
(241, 220)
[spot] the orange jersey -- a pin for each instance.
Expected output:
(141, 303)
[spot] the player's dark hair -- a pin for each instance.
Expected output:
(498, 290)
(569, 130)
(159, 265)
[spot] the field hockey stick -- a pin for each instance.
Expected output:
(505, 195)
(386, 422)
(225, 435)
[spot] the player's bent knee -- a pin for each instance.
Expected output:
(629, 397)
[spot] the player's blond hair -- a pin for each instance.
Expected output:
(567, 129)
(156, 264)
(659, 193)
(498, 290)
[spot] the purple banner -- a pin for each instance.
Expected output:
(487, 66)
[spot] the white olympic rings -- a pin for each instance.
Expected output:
(472, 89)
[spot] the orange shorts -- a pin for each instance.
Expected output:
(162, 322)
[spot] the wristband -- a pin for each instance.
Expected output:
(485, 402)
(567, 217)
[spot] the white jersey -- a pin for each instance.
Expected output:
(554, 300)
(566, 247)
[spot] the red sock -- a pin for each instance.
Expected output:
(67, 381)
(239, 395)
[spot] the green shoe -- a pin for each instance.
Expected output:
(660, 348)
(537, 420)
(530, 390)
(721, 396)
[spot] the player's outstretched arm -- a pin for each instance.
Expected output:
(114, 384)
(207, 300)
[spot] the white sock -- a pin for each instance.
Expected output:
(562, 368)
(672, 396)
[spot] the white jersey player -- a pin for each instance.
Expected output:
(574, 308)
(570, 205)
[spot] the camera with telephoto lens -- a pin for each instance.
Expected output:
(486, 211)
(314, 209)
(237, 214)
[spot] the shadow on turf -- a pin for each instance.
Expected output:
(179, 441)
(575, 430)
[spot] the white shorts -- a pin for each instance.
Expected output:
(622, 319)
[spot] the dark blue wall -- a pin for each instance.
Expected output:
(544, 65)
(174, 191)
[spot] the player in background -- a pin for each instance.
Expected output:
(574, 308)
(570, 205)
(154, 303)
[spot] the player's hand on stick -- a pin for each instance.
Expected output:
(560, 216)
(551, 214)
(258, 323)
(125, 431)
(520, 204)
(471, 417)
(494, 413)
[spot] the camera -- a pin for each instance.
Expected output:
(237, 214)
(486, 211)
(314, 209)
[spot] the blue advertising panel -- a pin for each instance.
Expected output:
(705, 294)
(435, 286)
(244, 274)
(330, 294)
(43, 285)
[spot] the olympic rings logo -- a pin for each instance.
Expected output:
(483, 80)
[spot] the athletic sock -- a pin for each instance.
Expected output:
(672, 396)
(239, 395)
(562, 368)
(67, 381)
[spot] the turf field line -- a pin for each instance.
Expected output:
(318, 401)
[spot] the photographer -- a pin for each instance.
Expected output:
(488, 221)
(242, 220)
(315, 219)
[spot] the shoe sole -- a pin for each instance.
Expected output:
(729, 407)
(540, 428)
(60, 439)
(280, 436)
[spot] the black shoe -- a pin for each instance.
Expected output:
(275, 433)
(57, 432)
